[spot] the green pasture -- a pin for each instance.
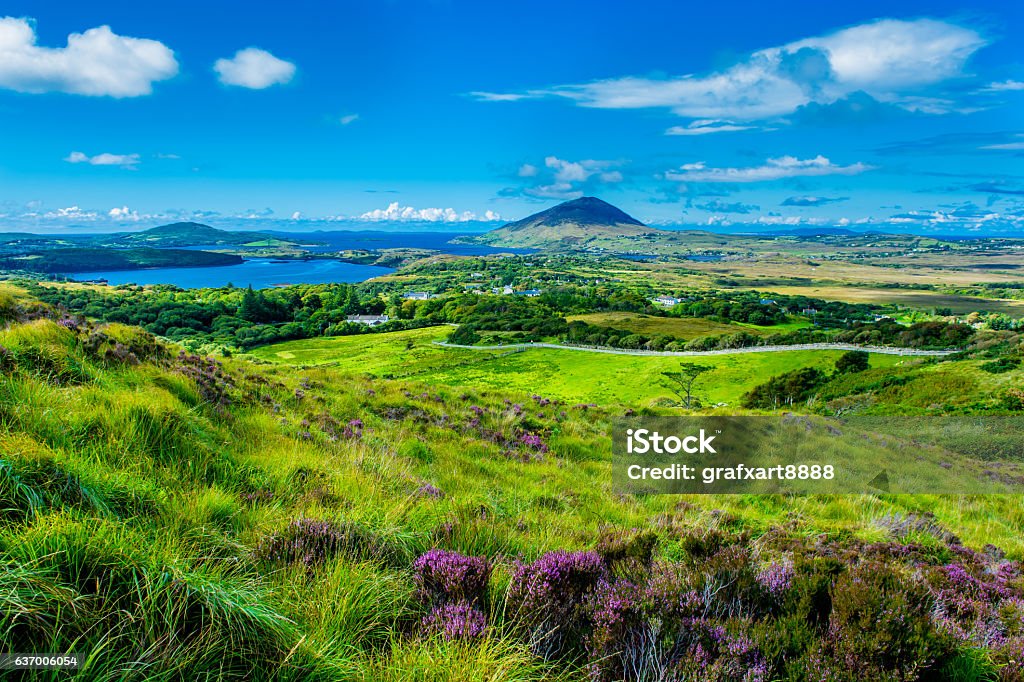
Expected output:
(569, 375)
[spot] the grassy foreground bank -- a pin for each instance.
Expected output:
(173, 516)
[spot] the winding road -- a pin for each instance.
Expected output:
(884, 350)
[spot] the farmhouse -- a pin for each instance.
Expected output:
(529, 292)
(368, 320)
(667, 301)
(417, 296)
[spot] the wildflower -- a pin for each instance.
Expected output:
(443, 576)
(456, 620)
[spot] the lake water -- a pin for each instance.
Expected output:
(260, 273)
(368, 239)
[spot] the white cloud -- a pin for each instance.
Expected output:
(297, 215)
(500, 96)
(129, 161)
(707, 126)
(71, 213)
(889, 59)
(124, 213)
(350, 118)
(398, 213)
(254, 68)
(97, 62)
(774, 169)
(562, 179)
(1003, 86)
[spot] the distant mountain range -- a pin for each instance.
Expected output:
(157, 247)
(163, 236)
(96, 259)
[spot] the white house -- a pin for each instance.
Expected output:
(368, 320)
(668, 301)
(417, 296)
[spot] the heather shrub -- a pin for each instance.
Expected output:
(880, 628)
(728, 584)
(312, 542)
(621, 641)
(443, 577)
(208, 373)
(702, 543)
(118, 345)
(546, 599)
(631, 546)
(457, 620)
(809, 599)
(713, 653)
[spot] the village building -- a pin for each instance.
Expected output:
(368, 320)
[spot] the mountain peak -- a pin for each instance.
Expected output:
(579, 223)
(585, 212)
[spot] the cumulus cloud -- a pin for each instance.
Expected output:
(562, 179)
(255, 69)
(891, 60)
(812, 201)
(707, 126)
(124, 213)
(129, 161)
(71, 213)
(774, 169)
(395, 212)
(97, 62)
(966, 217)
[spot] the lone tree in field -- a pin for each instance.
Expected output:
(852, 361)
(681, 382)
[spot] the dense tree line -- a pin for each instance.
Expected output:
(793, 388)
(229, 316)
(233, 317)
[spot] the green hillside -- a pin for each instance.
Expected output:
(83, 259)
(174, 516)
(186, 234)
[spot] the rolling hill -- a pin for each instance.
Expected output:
(83, 259)
(184, 234)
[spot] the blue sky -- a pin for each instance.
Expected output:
(457, 115)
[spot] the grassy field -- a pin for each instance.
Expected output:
(682, 327)
(922, 300)
(569, 375)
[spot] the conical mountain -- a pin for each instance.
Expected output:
(572, 224)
